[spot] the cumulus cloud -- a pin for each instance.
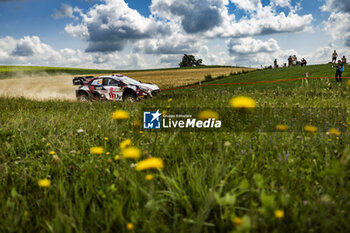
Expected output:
(109, 26)
(336, 5)
(338, 23)
(173, 44)
(338, 26)
(178, 26)
(194, 15)
(251, 46)
(256, 53)
(66, 11)
(30, 50)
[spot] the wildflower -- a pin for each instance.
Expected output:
(334, 132)
(96, 150)
(125, 143)
(48, 144)
(310, 129)
(170, 100)
(116, 157)
(108, 153)
(136, 124)
(120, 115)
(52, 152)
(80, 131)
(131, 153)
(106, 139)
(129, 226)
(44, 183)
(149, 177)
(141, 132)
(242, 102)
(208, 114)
(55, 159)
(164, 112)
(238, 221)
(281, 128)
(150, 163)
(279, 214)
(227, 144)
(109, 161)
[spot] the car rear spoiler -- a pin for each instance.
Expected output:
(80, 80)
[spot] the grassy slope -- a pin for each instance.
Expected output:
(280, 74)
(208, 178)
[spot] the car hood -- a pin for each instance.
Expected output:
(149, 86)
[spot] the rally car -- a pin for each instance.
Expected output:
(113, 87)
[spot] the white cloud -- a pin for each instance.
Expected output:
(66, 11)
(111, 25)
(252, 46)
(44, 55)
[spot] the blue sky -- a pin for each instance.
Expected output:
(156, 33)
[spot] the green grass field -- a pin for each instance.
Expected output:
(216, 181)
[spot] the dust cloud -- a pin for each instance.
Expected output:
(43, 87)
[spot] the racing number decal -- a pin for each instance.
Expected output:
(112, 94)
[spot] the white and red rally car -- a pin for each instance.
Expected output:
(113, 87)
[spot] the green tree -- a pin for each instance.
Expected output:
(190, 61)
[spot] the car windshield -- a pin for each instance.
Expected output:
(128, 80)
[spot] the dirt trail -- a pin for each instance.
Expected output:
(45, 87)
(39, 88)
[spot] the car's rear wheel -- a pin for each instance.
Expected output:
(130, 98)
(83, 98)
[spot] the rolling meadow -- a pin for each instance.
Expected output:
(68, 166)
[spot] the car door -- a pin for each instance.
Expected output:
(113, 89)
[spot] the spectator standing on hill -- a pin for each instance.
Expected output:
(339, 72)
(334, 57)
(275, 63)
(343, 60)
(295, 59)
(303, 62)
(290, 61)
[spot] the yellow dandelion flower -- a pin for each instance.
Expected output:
(96, 150)
(334, 132)
(170, 100)
(150, 163)
(238, 221)
(131, 153)
(208, 114)
(136, 124)
(52, 152)
(281, 128)
(116, 157)
(106, 139)
(149, 177)
(124, 144)
(141, 132)
(129, 226)
(44, 183)
(48, 144)
(164, 112)
(242, 102)
(310, 129)
(279, 214)
(108, 153)
(120, 115)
